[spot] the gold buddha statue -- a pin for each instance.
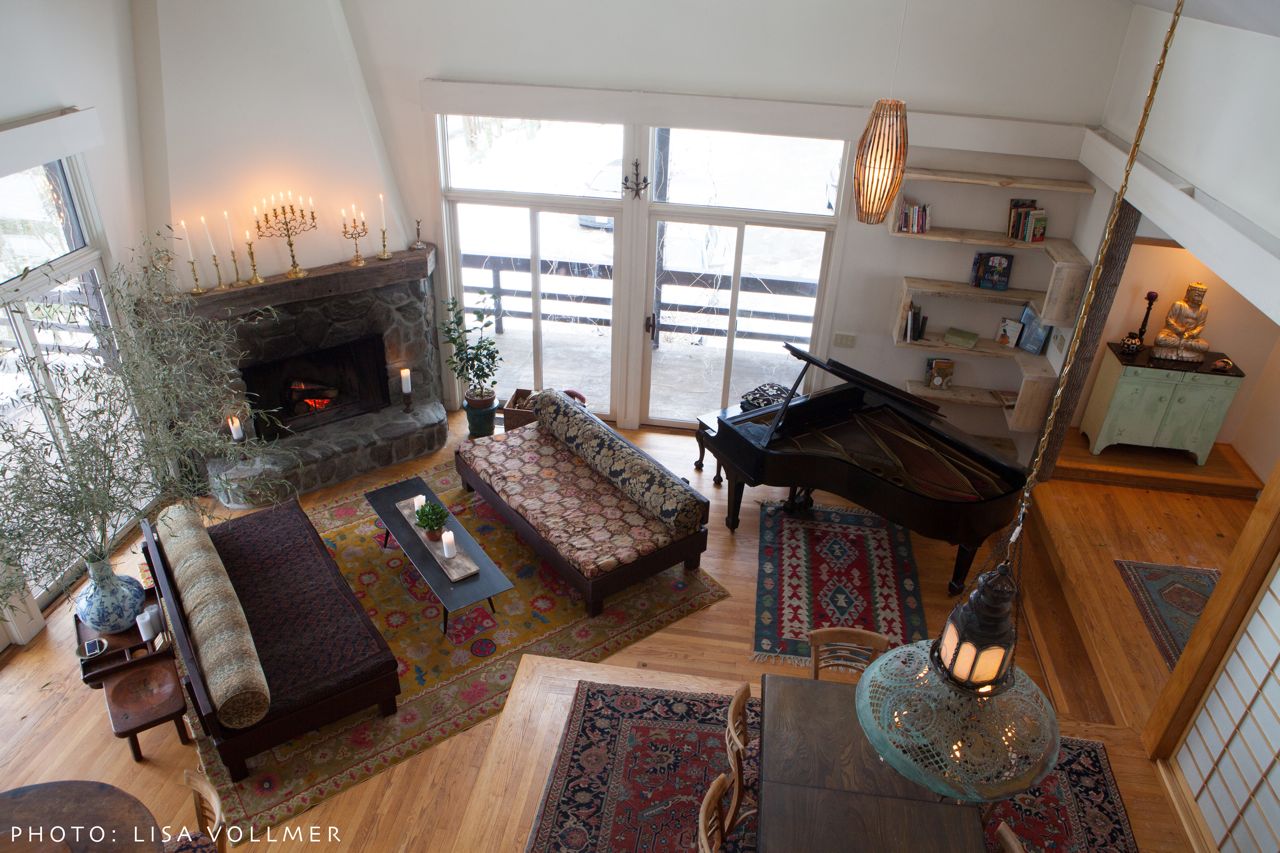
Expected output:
(1180, 339)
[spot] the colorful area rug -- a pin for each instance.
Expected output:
(1075, 808)
(1170, 599)
(845, 567)
(448, 684)
(632, 768)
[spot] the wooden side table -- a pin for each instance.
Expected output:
(1156, 403)
(142, 696)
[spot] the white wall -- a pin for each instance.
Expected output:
(1235, 327)
(79, 53)
(259, 98)
(1217, 114)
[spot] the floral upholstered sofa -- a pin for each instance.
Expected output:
(591, 503)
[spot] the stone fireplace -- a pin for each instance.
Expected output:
(324, 355)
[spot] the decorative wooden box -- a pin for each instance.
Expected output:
(515, 412)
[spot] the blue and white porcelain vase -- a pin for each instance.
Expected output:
(110, 602)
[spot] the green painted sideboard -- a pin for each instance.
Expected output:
(1156, 403)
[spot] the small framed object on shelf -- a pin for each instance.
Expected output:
(938, 372)
(1034, 334)
(1007, 332)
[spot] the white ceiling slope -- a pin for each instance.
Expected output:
(1260, 16)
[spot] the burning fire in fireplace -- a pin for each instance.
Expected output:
(311, 396)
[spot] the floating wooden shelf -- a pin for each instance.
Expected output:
(963, 290)
(1019, 182)
(932, 342)
(962, 394)
(1059, 251)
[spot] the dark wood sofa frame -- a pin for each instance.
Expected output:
(687, 550)
(236, 745)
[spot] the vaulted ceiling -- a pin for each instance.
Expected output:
(1261, 16)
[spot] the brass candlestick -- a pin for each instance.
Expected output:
(354, 232)
(235, 263)
(253, 264)
(218, 272)
(195, 276)
(407, 399)
(384, 255)
(287, 221)
(417, 245)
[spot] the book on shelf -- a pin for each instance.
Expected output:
(991, 270)
(916, 323)
(1037, 225)
(913, 217)
(1027, 222)
(1034, 334)
(962, 338)
(938, 372)
(1007, 332)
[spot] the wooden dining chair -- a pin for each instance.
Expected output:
(1008, 839)
(736, 738)
(711, 817)
(210, 819)
(844, 649)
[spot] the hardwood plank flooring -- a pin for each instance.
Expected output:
(1223, 474)
(56, 728)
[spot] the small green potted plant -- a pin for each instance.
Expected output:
(475, 362)
(432, 518)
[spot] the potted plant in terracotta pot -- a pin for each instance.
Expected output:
(432, 518)
(475, 362)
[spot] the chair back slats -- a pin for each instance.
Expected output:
(711, 817)
(844, 649)
(1008, 839)
(209, 815)
(735, 744)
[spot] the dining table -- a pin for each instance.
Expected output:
(75, 815)
(824, 788)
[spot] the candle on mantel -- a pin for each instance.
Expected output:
(186, 236)
(237, 431)
(406, 381)
(208, 236)
(382, 209)
(247, 238)
(419, 501)
(343, 214)
(447, 545)
(231, 240)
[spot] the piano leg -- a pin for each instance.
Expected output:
(736, 488)
(702, 451)
(964, 560)
(717, 479)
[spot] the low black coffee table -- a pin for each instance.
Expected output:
(484, 584)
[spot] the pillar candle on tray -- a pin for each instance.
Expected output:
(419, 501)
(447, 544)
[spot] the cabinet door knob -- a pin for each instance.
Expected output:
(1162, 399)
(1182, 399)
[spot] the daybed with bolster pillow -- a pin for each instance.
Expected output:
(601, 511)
(273, 640)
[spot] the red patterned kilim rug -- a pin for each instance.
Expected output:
(1076, 808)
(632, 768)
(845, 567)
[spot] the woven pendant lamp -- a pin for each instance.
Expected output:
(881, 157)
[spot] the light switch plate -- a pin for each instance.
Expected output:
(844, 339)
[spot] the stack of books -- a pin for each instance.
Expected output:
(1027, 222)
(913, 217)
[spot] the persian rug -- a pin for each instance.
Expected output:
(832, 567)
(1076, 808)
(1170, 599)
(633, 766)
(448, 683)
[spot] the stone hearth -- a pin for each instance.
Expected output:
(336, 305)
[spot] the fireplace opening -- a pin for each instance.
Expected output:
(319, 387)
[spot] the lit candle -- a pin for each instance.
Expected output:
(362, 217)
(247, 238)
(406, 382)
(208, 236)
(187, 238)
(237, 431)
(311, 202)
(447, 544)
(343, 213)
(419, 501)
(382, 209)
(231, 240)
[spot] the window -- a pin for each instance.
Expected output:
(50, 298)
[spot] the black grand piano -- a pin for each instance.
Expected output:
(882, 448)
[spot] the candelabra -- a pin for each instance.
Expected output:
(417, 245)
(354, 232)
(384, 255)
(253, 263)
(217, 270)
(287, 221)
(235, 264)
(195, 277)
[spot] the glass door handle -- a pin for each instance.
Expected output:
(651, 327)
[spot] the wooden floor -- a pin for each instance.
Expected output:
(56, 728)
(1223, 474)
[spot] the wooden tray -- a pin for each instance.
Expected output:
(123, 650)
(457, 567)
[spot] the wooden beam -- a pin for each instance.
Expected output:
(1234, 600)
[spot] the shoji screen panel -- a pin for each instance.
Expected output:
(1231, 756)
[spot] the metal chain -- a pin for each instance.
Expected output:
(1090, 290)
